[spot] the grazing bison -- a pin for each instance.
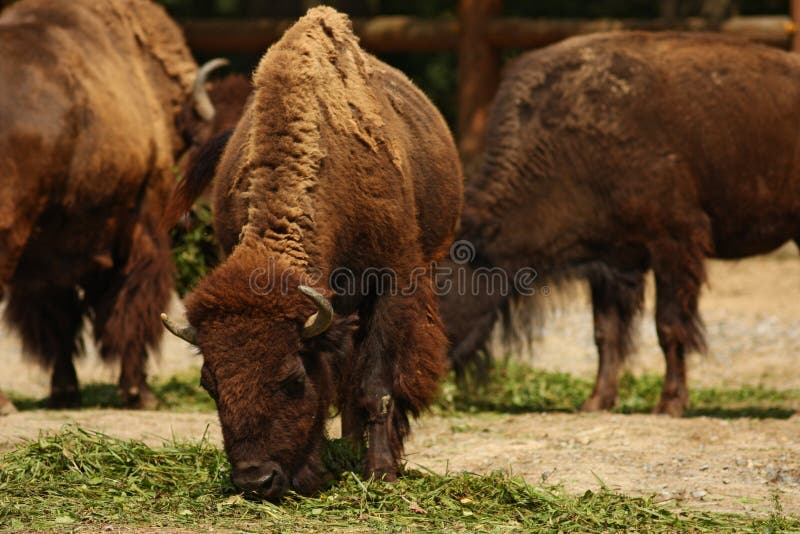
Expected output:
(89, 112)
(339, 166)
(613, 154)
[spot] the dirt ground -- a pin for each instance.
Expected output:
(752, 315)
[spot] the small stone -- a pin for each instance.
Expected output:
(699, 494)
(704, 467)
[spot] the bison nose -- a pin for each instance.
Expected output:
(256, 476)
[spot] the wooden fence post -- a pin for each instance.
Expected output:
(795, 14)
(478, 74)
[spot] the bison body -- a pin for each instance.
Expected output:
(339, 165)
(614, 154)
(92, 92)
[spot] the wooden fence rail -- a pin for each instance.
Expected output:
(477, 35)
(411, 34)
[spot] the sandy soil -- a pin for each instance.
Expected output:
(752, 313)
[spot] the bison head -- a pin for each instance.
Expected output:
(266, 363)
(215, 107)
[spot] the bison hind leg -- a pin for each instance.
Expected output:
(617, 300)
(126, 320)
(679, 275)
(49, 322)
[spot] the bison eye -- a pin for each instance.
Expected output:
(295, 385)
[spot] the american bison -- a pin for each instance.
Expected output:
(613, 154)
(339, 166)
(89, 132)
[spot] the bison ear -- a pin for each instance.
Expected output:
(320, 321)
(187, 333)
(202, 102)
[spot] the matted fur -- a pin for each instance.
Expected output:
(338, 162)
(613, 154)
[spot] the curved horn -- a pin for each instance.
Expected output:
(202, 102)
(320, 321)
(186, 333)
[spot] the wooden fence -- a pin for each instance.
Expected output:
(478, 34)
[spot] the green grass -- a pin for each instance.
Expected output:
(511, 388)
(179, 393)
(85, 479)
(194, 249)
(515, 388)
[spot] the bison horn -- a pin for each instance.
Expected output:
(202, 102)
(320, 321)
(187, 333)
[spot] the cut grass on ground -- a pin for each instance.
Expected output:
(80, 478)
(511, 388)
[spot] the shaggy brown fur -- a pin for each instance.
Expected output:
(613, 154)
(88, 139)
(338, 162)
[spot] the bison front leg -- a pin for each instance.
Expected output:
(377, 414)
(384, 442)
(353, 423)
(127, 320)
(615, 303)
(404, 357)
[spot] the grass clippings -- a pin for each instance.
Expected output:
(80, 478)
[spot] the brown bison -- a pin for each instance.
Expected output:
(339, 166)
(92, 95)
(613, 154)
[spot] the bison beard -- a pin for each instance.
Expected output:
(338, 162)
(613, 154)
(89, 138)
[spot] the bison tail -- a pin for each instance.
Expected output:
(200, 169)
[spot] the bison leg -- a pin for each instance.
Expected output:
(403, 354)
(353, 424)
(49, 322)
(679, 330)
(127, 312)
(6, 406)
(384, 445)
(615, 303)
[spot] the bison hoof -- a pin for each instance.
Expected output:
(139, 398)
(6, 406)
(64, 399)
(673, 407)
(385, 473)
(596, 403)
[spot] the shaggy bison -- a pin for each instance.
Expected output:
(613, 154)
(338, 166)
(89, 112)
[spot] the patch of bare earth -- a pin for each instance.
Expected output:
(752, 313)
